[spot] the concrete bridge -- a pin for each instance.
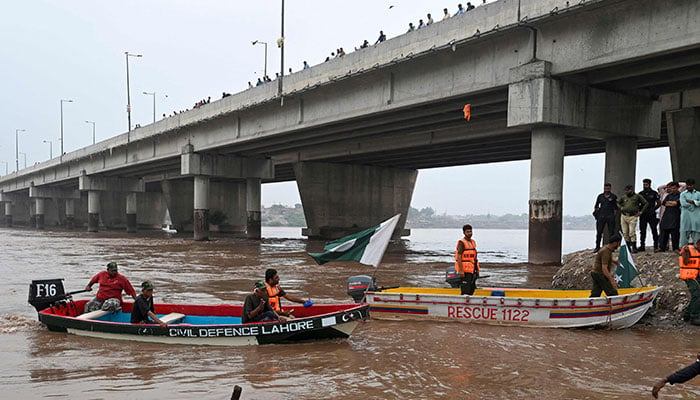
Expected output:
(544, 79)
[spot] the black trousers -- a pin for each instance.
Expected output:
(468, 284)
(652, 221)
(602, 284)
(675, 235)
(600, 224)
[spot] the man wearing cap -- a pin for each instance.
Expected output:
(143, 307)
(109, 295)
(631, 205)
(604, 266)
(256, 307)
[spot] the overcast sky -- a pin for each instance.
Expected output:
(74, 49)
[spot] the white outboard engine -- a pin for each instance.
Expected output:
(452, 277)
(45, 293)
(359, 284)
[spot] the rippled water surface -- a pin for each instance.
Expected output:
(382, 360)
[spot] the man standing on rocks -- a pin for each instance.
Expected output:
(690, 213)
(603, 268)
(689, 262)
(604, 213)
(648, 217)
(632, 205)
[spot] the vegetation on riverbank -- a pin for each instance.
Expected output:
(279, 215)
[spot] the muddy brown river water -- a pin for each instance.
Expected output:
(382, 360)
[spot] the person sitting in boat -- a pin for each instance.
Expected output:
(109, 295)
(275, 293)
(256, 307)
(466, 263)
(603, 268)
(143, 307)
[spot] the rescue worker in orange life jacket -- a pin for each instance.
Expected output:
(276, 293)
(689, 262)
(466, 262)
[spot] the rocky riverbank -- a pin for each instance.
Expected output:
(657, 269)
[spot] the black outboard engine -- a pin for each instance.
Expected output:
(45, 293)
(359, 284)
(452, 277)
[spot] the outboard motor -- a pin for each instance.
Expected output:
(45, 293)
(452, 277)
(359, 284)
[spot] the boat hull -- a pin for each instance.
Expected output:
(535, 308)
(326, 322)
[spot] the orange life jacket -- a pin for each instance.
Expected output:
(469, 264)
(274, 293)
(691, 269)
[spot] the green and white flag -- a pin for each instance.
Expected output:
(627, 270)
(366, 247)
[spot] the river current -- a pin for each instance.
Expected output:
(382, 360)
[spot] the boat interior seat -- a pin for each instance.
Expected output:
(93, 314)
(172, 317)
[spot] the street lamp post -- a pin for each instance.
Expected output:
(154, 104)
(93, 130)
(50, 148)
(17, 131)
(128, 92)
(280, 42)
(63, 101)
(264, 43)
(25, 158)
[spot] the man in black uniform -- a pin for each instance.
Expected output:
(649, 215)
(604, 213)
(680, 376)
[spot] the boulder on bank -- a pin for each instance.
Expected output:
(655, 269)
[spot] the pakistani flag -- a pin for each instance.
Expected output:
(367, 246)
(626, 271)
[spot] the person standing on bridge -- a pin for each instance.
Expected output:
(690, 213)
(466, 263)
(604, 213)
(109, 295)
(382, 37)
(648, 217)
(446, 15)
(632, 205)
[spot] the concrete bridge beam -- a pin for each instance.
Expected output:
(684, 142)
(39, 207)
(131, 224)
(8, 214)
(340, 199)
(93, 210)
(253, 206)
(546, 187)
(201, 207)
(49, 212)
(70, 213)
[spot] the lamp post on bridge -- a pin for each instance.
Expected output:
(50, 148)
(263, 43)
(63, 101)
(93, 130)
(280, 44)
(128, 92)
(17, 131)
(153, 94)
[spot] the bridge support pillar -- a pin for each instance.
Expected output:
(70, 213)
(39, 206)
(93, 211)
(340, 199)
(8, 214)
(683, 137)
(201, 207)
(32, 213)
(620, 162)
(254, 221)
(131, 224)
(546, 186)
